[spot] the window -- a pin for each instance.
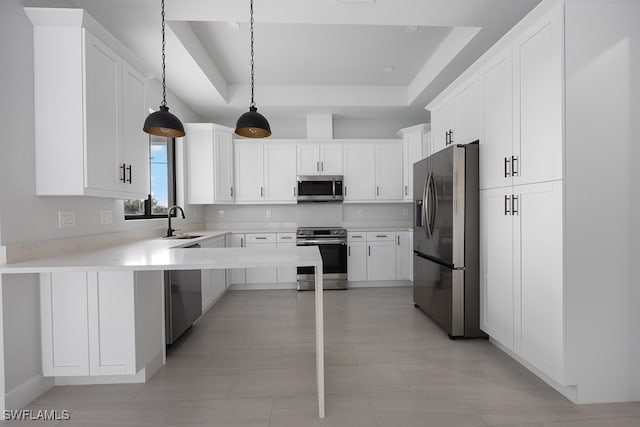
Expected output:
(162, 192)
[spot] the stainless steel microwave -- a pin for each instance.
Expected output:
(320, 188)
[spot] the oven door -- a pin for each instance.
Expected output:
(334, 265)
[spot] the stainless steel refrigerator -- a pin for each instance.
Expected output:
(445, 235)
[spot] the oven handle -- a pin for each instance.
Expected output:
(320, 242)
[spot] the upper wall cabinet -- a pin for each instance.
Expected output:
(413, 142)
(455, 119)
(319, 159)
(373, 172)
(89, 85)
(265, 172)
(209, 154)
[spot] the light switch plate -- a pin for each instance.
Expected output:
(106, 217)
(66, 219)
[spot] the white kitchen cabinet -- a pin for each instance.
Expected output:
(381, 255)
(413, 141)
(100, 323)
(214, 282)
(249, 172)
(496, 266)
(373, 171)
(319, 159)
(266, 241)
(265, 172)
(496, 143)
(209, 158)
(280, 173)
(359, 172)
(90, 85)
(287, 274)
(455, 119)
(521, 272)
(389, 172)
(404, 255)
(357, 260)
(236, 275)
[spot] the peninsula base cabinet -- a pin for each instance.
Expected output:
(214, 281)
(100, 323)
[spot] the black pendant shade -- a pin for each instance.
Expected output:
(163, 123)
(253, 124)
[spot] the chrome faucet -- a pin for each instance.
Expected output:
(171, 209)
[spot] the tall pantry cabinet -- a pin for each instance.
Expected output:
(558, 236)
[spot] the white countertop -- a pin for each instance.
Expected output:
(170, 254)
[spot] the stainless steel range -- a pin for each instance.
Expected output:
(332, 242)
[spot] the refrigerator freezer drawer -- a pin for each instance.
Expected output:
(449, 296)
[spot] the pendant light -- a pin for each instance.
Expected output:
(252, 124)
(162, 122)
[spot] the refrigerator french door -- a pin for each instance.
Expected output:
(446, 226)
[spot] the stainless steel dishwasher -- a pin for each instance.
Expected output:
(183, 300)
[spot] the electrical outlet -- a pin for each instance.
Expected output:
(267, 213)
(106, 217)
(66, 219)
(221, 213)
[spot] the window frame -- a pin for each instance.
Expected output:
(171, 181)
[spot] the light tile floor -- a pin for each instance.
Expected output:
(250, 362)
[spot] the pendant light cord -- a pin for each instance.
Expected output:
(164, 86)
(253, 104)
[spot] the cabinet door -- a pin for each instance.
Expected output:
(381, 260)
(496, 266)
(538, 100)
(236, 275)
(539, 325)
(280, 173)
(135, 143)
(411, 153)
(357, 261)
(249, 172)
(466, 114)
(102, 73)
(497, 140)
(331, 159)
(200, 157)
(404, 252)
(359, 172)
(262, 274)
(223, 162)
(308, 159)
(112, 345)
(214, 280)
(64, 323)
(389, 171)
(287, 274)
(440, 125)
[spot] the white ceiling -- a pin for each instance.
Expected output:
(310, 55)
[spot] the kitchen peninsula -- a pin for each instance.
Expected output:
(146, 258)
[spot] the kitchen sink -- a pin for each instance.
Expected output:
(183, 237)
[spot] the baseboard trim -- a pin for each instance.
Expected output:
(23, 394)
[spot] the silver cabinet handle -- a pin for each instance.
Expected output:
(345, 191)
(294, 191)
(322, 166)
(261, 191)
(261, 238)
(381, 235)
(514, 170)
(231, 191)
(349, 248)
(406, 190)
(130, 173)
(285, 237)
(398, 240)
(124, 174)
(318, 166)
(507, 202)
(515, 205)
(507, 164)
(377, 190)
(369, 250)
(242, 242)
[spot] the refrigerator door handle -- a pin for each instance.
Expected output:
(432, 220)
(426, 205)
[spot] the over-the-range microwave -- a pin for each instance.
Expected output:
(320, 188)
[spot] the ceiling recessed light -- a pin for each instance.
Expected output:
(234, 25)
(387, 69)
